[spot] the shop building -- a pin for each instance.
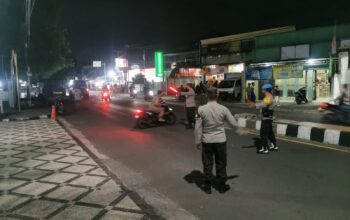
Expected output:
(286, 57)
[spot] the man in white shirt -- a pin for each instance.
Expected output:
(210, 137)
(190, 105)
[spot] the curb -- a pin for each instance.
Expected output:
(26, 118)
(322, 135)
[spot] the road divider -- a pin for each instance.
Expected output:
(317, 132)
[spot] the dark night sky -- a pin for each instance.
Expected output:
(97, 27)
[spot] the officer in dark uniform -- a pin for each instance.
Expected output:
(211, 139)
(267, 107)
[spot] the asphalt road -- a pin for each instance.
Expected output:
(298, 182)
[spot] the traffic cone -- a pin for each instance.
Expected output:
(53, 113)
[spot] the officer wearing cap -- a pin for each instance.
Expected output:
(211, 139)
(266, 130)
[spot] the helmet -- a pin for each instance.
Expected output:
(267, 86)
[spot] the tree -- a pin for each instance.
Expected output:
(139, 79)
(49, 50)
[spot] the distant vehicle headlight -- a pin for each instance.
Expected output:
(151, 93)
(135, 91)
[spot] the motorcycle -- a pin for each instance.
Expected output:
(334, 113)
(105, 96)
(300, 96)
(133, 93)
(149, 95)
(146, 119)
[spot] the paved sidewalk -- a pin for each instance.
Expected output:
(44, 173)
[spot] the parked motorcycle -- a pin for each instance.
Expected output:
(147, 119)
(333, 113)
(300, 96)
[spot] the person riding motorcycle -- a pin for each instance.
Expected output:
(105, 90)
(158, 104)
(344, 99)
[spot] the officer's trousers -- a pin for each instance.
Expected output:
(218, 152)
(266, 133)
(191, 113)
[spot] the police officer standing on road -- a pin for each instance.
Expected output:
(211, 139)
(266, 130)
(190, 105)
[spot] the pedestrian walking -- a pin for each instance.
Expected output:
(266, 130)
(277, 93)
(190, 105)
(210, 137)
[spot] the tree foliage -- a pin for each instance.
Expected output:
(49, 50)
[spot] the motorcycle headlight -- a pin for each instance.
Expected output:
(151, 93)
(135, 91)
(170, 109)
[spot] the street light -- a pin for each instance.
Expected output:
(111, 73)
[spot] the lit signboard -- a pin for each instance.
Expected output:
(159, 63)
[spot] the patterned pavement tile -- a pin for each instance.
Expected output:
(10, 160)
(53, 166)
(118, 215)
(71, 159)
(79, 169)
(8, 184)
(77, 212)
(10, 201)
(32, 174)
(7, 171)
(68, 193)
(30, 163)
(127, 203)
(38, 208)
(44, 173)
(89, 181)
(49, 157)
(59, 177)
(104, 195)
(98, 172)
(34, 188)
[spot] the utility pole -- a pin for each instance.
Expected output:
(29, 7)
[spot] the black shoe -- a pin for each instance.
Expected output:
(223, 188)
(206, 188)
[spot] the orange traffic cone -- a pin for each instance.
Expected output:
(53, 113)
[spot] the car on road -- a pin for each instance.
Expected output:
(54, 88)
(230, 89)
(80, 85)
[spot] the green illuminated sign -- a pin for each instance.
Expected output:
(159, 63)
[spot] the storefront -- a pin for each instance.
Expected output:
(256, 77)
(214, 73)
(314, 78)
(181, 76)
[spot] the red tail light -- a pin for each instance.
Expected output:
(324, 105)
(138, 111)
(105, 94)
